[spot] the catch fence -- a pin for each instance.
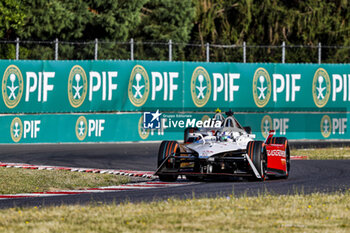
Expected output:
(172, 51)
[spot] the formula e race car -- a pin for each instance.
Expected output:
(227, 151)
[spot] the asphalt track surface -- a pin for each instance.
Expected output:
(306, 176)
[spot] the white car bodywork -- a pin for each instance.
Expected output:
(207, 147)
(231, 137)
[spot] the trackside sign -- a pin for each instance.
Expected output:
(103, 86)
(112, 127)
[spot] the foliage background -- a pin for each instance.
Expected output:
(185, 22)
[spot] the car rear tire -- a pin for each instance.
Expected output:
(165, 150)
(257, 153)
(282, 140)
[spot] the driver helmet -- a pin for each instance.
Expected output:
(225, 137)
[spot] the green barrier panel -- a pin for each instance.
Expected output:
(109, 86)
(79, 128)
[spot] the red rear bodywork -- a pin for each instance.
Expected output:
(276, 156)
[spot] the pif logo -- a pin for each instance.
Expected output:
(143, 132)
(29, 129)
(279, 124)
(16, 129)
(77, 86)
(12, 86)
(261, 87)
(81, 128)
(200, 87)
(321, 87)
(326, 126)
(335, 125)
(205, 118)
(266, 125)
(138, 88)
(89, 128)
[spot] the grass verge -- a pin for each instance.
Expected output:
(15, 180)
(323, 153)
(265, 213)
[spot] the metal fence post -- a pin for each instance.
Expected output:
(319, 53)
(96, 49)
(17, 48)
(207, 52)
(244, 52)
(132, 49)
(56, 49)
(170, 51)
(283, 52)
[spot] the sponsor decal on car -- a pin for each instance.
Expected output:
(280, 153)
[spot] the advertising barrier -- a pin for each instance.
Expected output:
(105, 101)
(113, 86)
(104, 127)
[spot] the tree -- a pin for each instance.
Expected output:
(113, 21)
(221, 22)
(11, 18)
(161, 21)
(77, 20)
(218, 22)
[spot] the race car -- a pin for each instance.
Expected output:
(229, 150)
